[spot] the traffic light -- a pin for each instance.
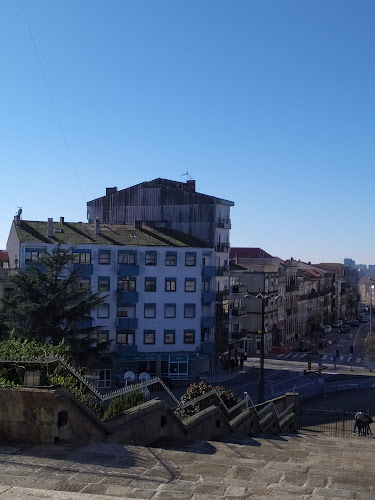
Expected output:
(309, 365)
(351, 349)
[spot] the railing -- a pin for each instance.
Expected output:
(223, 223)
(222, 295)
(333, 423)
(222, 247)
(7, 272)
(222, 271)
(239, 311)
(239, 289)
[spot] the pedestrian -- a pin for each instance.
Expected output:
(241, 361)
(359, 422)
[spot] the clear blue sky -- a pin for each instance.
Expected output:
(267, 103)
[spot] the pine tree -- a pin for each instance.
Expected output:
(48, 305)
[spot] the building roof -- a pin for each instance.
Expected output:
(3, 256)
(186, 187)
(248, 253)
(309, 274)
(79, 233)
(236, 267)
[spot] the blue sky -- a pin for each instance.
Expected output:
(267, 103)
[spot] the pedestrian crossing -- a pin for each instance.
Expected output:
(326, 357)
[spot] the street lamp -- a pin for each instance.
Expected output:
(264, 297)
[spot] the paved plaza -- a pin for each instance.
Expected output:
(282, 468)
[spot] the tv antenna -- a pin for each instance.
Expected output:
(188, 176)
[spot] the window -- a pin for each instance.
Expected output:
(103, 311)
(150, 311)
(190, 285)
(169, 336)
(126, 284)
(127, 258)
(104, 256)
(150, 284)
(149, 337)
(170, 284)
(103, 337)
(81, 257)
(125, 337)
(189, 336)
(126, 311)
(103, 284)
(33, 255)
(190, 258)
(84, 283)
(150, 258)
(171, 259)
(169, 310)
(104, 378)
(189, 311)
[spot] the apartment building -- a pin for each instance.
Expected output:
(158, 284)
(163, 203)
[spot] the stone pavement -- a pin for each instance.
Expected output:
(282, 468)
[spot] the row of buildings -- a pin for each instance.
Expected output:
(179, 301)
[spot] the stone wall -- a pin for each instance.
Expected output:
(49, 415)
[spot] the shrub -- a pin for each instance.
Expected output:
(123, 403)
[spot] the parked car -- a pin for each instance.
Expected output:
(354, 322)
(364, 319)
(327, 329)
(344, 329)
(335, 324)
(345, 322)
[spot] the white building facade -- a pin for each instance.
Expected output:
(159, 292)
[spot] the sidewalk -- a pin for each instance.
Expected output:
(226, 375)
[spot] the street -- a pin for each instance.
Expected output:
(285, 372)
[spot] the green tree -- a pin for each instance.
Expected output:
(48, 305)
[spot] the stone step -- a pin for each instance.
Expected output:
(282, 467)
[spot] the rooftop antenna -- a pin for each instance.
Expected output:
(188, 176)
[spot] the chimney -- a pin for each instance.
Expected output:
(61, 220)
(109, 191)
(190, 186)
(137, 224)
(50, 228)
(97, 225)
(17, 220)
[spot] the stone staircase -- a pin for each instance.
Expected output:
(286, 467)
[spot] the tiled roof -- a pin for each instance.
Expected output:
(236, 267)
(310, 274)
(248, 253)
(79, 233)
(3, 256)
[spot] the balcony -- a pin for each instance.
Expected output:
(239, 311)
(128, 269)
(208, 271)
(239, 334)
(127, 323)
(208, 297)
(239, 289)
(6, 272)
(207, 347)
(222, 247)
(126, 297)
(222, 295)
(83, 269)
(222, 271)
(207, 322)
(223, 223)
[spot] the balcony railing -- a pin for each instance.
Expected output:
(222, 247)
(292, 287)
(222, 295)
(223, 223)
(6, 272)
(239, 311)
(222, 271)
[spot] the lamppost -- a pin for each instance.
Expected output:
(263, 297)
